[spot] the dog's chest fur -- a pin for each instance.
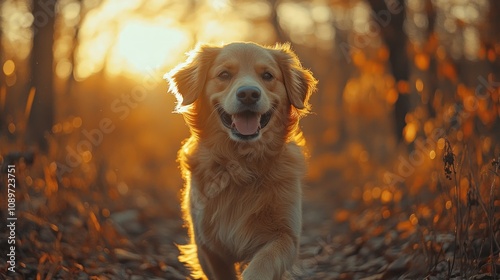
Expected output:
(234, 204)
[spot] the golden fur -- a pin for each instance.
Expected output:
(242, 196)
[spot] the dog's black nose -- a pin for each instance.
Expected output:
(248, 95)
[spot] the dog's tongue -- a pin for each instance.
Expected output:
(246, 123)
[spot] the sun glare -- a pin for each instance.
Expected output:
(143, 45)
(121, 41)
(138, 45)
(219, 5)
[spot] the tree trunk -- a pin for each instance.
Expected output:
(281, 36)
(3, 122)
(42, 111)
(395, 38)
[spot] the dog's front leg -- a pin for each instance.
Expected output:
(273, 260)
(214, 266)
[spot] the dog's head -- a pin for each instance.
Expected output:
(246, 87)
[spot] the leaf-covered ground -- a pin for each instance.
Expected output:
(352, 228)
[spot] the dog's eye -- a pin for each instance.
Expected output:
(267, 76)
(224, 75)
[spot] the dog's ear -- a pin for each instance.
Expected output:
(187, 80)
(299, 82)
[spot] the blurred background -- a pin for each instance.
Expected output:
(86, 118)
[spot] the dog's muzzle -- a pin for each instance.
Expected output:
(247, 122)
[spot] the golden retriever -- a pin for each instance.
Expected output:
(244, 161)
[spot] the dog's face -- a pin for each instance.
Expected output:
(245, 87)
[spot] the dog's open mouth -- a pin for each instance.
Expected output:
(245, 125)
